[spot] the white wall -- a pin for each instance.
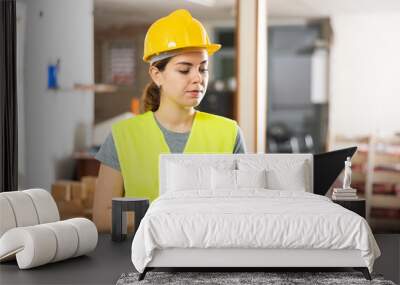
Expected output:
(365, 82)
(56, 122)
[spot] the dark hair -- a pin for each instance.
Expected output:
(151, 92)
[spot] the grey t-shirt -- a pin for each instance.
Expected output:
(176, 143)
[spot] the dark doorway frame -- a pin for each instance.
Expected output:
(8, 98)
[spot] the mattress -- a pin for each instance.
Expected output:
(250, 219)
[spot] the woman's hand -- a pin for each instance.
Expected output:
(109, 184)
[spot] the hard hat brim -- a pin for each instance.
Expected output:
(211, 49)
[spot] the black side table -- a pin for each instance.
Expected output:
(357, 206)
(120, 206)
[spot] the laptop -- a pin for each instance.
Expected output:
(328, 166)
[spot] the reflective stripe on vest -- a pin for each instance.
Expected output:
(139, 142)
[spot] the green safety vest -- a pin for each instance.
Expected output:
(139, 143)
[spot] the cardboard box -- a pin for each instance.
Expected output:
(74, 198)
(65, 190)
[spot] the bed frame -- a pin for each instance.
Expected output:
(242, 259)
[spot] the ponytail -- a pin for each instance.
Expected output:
(152, 93)
(151, 98)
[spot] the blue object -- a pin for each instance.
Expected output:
(52, 71)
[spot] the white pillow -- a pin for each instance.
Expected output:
(293, 181)
(283, 173)
(183, 177)
(223, 179)
(251, 178)
(236, 179)
(184, 174)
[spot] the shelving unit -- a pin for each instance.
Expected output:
(376, 176)
(384, 174)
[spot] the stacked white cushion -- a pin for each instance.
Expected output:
(41, 244)
(30, 230)
(27, 208)
(66, 236)
(46, 207)
(32, 246)
(23, 208)
(7, 220)
(87, 235)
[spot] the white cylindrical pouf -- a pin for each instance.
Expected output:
(67, 239)
(34, 246)
(7, 218)
(45, 205)
(23, 208)
(87, 234)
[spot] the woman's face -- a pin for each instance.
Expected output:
(184, 79)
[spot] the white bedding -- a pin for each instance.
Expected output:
(251, 218)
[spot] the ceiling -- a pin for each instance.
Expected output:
(121, 12)
(326, 8)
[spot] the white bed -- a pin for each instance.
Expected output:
(202, 221)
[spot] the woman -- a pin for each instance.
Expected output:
(177, 48)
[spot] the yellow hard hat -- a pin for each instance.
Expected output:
(178, 30)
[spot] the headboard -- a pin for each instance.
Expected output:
(206, 159)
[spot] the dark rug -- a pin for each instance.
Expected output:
(228, 278)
